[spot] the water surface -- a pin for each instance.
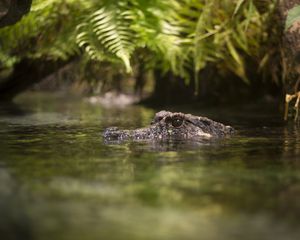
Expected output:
(59, 180)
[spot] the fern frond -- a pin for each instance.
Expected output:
(48, 31)
(181, 36)
(106, 33)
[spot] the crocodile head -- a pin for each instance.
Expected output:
(168, 125)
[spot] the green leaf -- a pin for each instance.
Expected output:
(292, 17)
(238, 6)
(239, 64)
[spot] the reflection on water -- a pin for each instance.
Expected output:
(59, 180)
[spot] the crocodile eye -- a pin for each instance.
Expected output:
(177, 122)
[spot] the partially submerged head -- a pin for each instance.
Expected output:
(187, 126)
(167, 125)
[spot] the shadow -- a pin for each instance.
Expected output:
(12, 109)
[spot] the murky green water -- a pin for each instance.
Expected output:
(58, 180)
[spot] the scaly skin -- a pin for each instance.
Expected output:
(168, 125)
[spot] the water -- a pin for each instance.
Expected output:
(59, 180)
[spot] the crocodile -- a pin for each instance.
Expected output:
(172, 125)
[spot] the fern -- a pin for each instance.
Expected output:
(48, 31)
(177, 35)
(223, 32)
(106, 34)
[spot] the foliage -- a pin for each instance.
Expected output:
(48, 31)
(178, 35)
(293, 16)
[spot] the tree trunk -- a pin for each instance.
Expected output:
(12, 11)
(26, 73)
